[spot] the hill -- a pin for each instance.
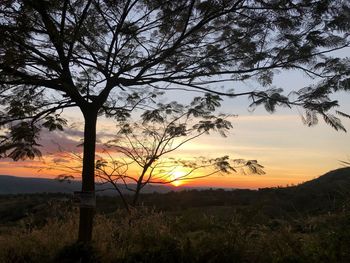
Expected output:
(23, 185)
(27, 185)
(334, 181)
(329, 192)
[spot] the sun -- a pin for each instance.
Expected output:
(178, 174)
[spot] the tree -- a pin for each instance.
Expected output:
(146, 145)
(61, 54)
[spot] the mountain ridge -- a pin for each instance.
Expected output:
(10, 184)
(334, 179)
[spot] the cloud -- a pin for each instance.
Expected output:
(60, 160)
(74, 131)
(56, 141)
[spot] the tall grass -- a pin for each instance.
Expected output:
(149, 236)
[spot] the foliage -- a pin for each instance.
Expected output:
(61, 54)
(145, 148)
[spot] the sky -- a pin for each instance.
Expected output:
(291, 152)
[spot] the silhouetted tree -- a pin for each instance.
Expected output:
(145, 147)
(70, 53)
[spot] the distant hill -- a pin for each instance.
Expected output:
(24, 185)
(21, 185)
(325, 194)
(329, 192)
(337, 181)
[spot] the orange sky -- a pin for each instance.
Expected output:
(291, 152)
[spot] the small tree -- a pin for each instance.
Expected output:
(144, 147)
(60, 54)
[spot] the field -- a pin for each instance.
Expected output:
(305, 223)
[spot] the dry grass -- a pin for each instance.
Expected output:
(149, 236)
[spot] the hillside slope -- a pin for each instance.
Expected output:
(28, 185)
(336, 179)
(23, 185)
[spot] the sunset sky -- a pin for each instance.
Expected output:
(291, 152)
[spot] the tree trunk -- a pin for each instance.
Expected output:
(139, 186)
(88, 174)
(136, 195)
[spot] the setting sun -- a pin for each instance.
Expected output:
(177, 177)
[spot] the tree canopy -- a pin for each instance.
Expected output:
(62, 53)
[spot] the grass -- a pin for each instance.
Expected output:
(195, 235)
